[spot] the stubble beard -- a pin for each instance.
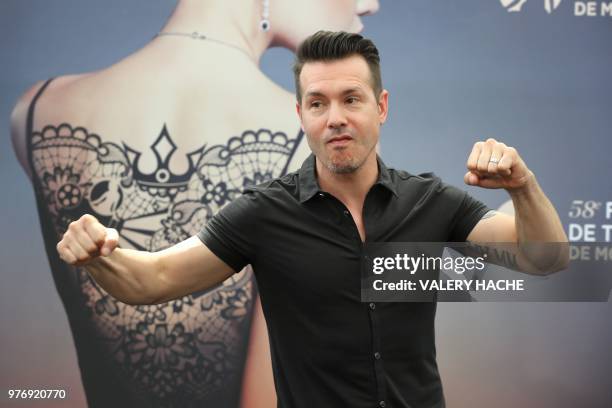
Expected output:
(343, 163)
(343, 168)
(347, 165)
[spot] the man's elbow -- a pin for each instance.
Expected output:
(563, 255)
(557, 259)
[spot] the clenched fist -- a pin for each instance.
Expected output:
(85, 240)
(492, 164)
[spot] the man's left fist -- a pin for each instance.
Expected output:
(492, 164)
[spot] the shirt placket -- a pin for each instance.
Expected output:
(373, 315)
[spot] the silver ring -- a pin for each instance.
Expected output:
(493, 161)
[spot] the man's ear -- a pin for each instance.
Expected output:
(383, 106)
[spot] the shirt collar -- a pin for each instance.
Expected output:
(309, 185)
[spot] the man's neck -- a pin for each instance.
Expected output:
(350, 188)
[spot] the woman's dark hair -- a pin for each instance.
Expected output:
(335, 45)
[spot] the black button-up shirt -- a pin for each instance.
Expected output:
(328, 348)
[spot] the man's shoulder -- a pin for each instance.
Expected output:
(405, 179)
(424, 187)
(405, 175)
(283, 185)
(261, 200)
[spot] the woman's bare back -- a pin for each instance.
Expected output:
(154, 148)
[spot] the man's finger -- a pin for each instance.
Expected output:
(483, 159)
(497, 152)
(78, 251)
(65, 253)
(85, 241)
(110, 242)
(471, 178)
(96, 231)
(492, 183)
(504, 167)
(472, 161)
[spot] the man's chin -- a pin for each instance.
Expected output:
(343, 169)
(342, 166)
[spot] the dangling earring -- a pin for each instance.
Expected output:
(264, 23)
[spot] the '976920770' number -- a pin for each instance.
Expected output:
(36, 394)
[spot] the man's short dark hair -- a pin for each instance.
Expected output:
(336, 45)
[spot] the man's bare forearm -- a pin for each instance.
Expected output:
(540, 233)
(139, 277)
(536, 227)
(128, 275)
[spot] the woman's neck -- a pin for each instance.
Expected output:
(234, 23)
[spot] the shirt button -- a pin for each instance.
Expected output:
(321, 195)
(346, 213)
(382, 404)
(372, 306)
(377, 355)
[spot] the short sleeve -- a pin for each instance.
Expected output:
(468, 214)
(230, 234)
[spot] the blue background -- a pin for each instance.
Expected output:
(457, 72)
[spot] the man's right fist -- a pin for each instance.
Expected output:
(86, 239)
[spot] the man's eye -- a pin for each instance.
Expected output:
(352, 99)
(315, 104)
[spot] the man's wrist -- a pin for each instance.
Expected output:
(529, 188)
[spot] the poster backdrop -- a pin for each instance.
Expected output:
(532, 73)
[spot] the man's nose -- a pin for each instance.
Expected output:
(336, 116)
(367, 7)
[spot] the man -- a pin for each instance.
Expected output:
(304, 233)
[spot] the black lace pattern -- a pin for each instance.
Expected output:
(191, 347)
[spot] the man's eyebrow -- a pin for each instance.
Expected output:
(311, 94)
(352, 90)
(348, 91)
